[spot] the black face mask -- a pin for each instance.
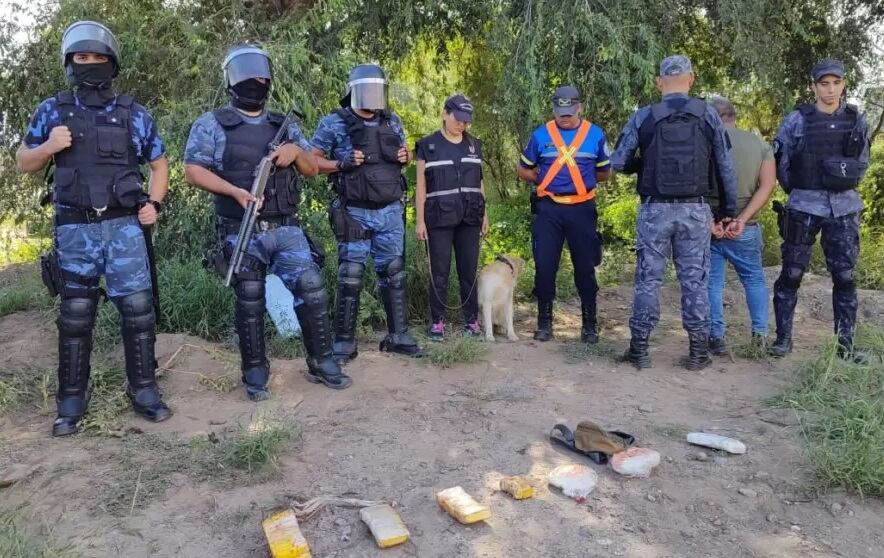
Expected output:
(93, 82)
(249, 95)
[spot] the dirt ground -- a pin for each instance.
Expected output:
(407, 429)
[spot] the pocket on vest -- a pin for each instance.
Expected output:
(67, 190)
(113, 143)
(127, 188)
(842, 174)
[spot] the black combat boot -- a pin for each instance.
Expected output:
(316, 332)
(139, 338)
(544, 320)
(589, 332)
(346, 311)
(780, 347)
(398, 340)
(75, 322)
(249, 321)
(718, 347)
(638, 354)
(698, 355)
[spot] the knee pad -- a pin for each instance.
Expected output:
(77, 316)
(843, 281)
(350, 276)
(250, 296)
(310, 288)
(136, 310)
(394, 272)
(790, 278)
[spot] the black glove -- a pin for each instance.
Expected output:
(349, 164)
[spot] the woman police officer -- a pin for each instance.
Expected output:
(450, 204)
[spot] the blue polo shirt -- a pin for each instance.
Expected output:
(592, 156)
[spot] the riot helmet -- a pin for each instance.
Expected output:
(243, 66)
(90, 36)
(367, 88)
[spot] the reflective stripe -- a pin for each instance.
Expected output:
(527, 162)
(477, 190)
(566, 160)
(471, 160)
(603, 163)
(438, 163)
(585, 154)
(443, 193)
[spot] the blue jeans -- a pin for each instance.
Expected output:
(744, 253)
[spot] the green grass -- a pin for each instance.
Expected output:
(24, 291)
(26, 386)
(750, 348)
(238, 454)
(841, 405)
(577, 352)
(22, 537)
(457, 349)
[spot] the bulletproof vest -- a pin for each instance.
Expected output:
(829, 157)
(379, 178)
(454, 182)
(245, 145)
(100, 169)
(676, 150)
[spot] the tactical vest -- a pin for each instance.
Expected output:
(378, 180)
(100, 169)
(454, 185)
(676, 150)
(245, 146)
(829, 158)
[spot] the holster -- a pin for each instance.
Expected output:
(50, 272)
(345, 227)
(317, 252)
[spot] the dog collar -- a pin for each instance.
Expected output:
(507, 262)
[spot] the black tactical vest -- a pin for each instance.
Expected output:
(454, 181)
(245, 145)
(100, 169)
(829, 157)
(379, 179)
(676, 150)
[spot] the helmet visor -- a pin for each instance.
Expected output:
(368, 93)
(90, 37)
(244, 65)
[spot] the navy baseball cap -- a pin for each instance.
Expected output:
(565, 100)
(461, 107)
(676, 65)
(827, 67)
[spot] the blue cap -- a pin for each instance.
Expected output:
(565, 100)
(676, 65)
(461, 107)
(827, 67)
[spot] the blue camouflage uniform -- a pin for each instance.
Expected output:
(833, 213)
(679, 230)
(388, 238)
(114, 248)
(284, 250)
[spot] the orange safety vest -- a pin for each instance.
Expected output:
(566, 159)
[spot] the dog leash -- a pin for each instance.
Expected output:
(426, 244)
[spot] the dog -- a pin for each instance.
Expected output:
(497, 282)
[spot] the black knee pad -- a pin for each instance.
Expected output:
(843, 281)
(76, 316)
(394, 272)
(137, 311)
(790, 278)
(310, 288)
(250, 296)
(350, 274)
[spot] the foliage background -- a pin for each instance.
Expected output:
(507, 55)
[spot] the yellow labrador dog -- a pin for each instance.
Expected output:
(497, 283)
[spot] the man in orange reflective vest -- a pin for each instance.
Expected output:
(565, 159)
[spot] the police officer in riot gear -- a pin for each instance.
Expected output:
(822, 153)
(367, 149)
(98, 140)
(222, 152)
(676, 146)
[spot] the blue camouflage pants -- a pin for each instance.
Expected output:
(680, 231)
(284, 251)
(387, 243)
(114, 248)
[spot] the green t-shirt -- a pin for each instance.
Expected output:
(748, 151)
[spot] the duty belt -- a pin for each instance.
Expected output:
(362, 204)
(227, 226)
(77, 216)
(658, 199)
